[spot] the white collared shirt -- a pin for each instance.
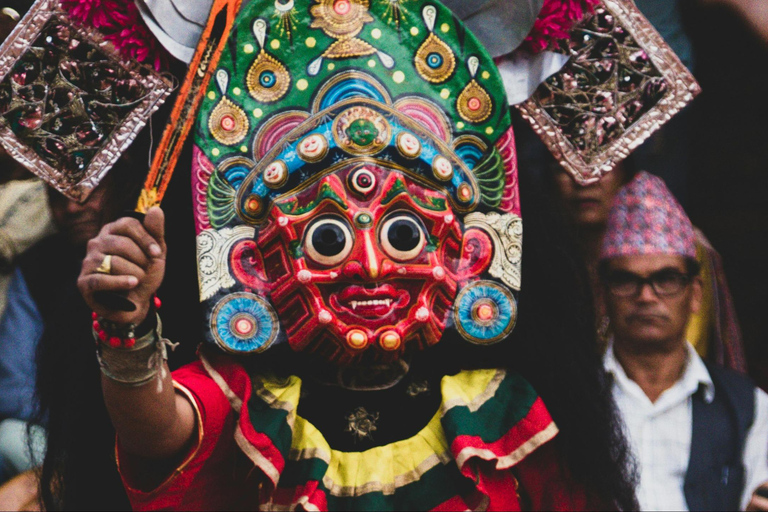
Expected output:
(659, 433)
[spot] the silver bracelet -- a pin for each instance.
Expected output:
(137, 365)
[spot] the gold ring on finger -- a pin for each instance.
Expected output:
(106, 265)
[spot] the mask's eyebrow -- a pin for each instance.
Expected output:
(426, 199)
(326, 191)
(397, 188)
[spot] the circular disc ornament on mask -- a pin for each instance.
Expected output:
(485, 312)
(244, 323)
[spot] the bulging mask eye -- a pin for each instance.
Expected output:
(328, 241)
(402, 237)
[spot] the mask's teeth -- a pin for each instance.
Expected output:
(383, 302)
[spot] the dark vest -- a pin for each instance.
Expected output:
(715, 476)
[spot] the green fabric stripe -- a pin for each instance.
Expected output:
(271, 422)
(497, 416)
(433, 488)
(298, 473)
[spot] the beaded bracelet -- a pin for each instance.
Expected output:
(137, 365)
(126, 359)
(119, 335)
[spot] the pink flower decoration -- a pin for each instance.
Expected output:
(121, 24)
(81, 10)
(555, 21)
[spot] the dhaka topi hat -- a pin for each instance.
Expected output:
(646, 219)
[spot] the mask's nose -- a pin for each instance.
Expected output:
(370, 256)
(367, 266)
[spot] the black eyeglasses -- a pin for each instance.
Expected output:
(665, 283)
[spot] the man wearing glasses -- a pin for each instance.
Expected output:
(699, 432)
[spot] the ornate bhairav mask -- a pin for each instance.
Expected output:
(355, 183)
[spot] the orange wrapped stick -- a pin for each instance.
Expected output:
(201, 69)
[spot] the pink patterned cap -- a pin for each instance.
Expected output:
(646, 219)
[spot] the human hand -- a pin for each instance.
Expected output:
(137, 265)
(759, 499)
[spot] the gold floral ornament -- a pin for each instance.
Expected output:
(268, 79)
(343, 20)
(228, 123)
(434, 59)
(285, 12)
(474, 104)
(362, 424)
(340, 19)
(395, 12)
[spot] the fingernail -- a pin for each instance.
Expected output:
(133, 280)
(154, 250)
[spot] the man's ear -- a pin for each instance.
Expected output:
(476, 254)
(697, 294)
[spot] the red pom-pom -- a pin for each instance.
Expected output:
(94, 316)
(114, 341)
(130, 342)
(96, 326)
(103, 335)
(158, 302)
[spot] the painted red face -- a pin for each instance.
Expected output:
(366, 259)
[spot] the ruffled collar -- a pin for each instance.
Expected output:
(489, 416)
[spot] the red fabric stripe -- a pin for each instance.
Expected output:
(535, 421)
(474, 501)
(455, 503)
(240, 384)
(316, 496)
(501, 489)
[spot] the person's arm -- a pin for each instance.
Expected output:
(755, 457)
(151, 420)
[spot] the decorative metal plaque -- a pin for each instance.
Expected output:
(69, 103)
(621, 84)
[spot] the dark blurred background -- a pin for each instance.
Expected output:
(728, 182)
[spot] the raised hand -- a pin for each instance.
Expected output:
(129, 257)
